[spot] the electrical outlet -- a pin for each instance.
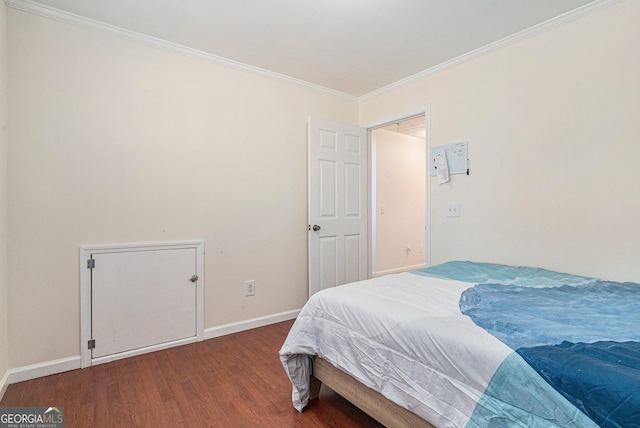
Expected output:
(453, 210)
(250, 288)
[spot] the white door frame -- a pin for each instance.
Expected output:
(426, 110)
(85, 295)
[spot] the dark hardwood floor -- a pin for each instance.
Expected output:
(231, 381)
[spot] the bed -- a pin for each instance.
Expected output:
(467, 344)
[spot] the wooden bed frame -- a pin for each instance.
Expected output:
(371, 402)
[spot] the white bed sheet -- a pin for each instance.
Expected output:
(402, 335)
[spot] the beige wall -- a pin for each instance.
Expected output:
(552, 126)
(400, 190)
(116, 142)
(4, 285)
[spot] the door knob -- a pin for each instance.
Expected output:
(316, 228)
(194, 278)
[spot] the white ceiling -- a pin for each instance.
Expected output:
(351, 46)
(413, 126)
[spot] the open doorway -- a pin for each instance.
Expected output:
(399, 195)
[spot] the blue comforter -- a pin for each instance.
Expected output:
(583, 340)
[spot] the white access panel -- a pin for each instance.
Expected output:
(142, 298)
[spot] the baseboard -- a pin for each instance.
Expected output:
(72, 363)
(4, 383)
(237, 327)
(140, 351)
(399, 270)
(43, 369)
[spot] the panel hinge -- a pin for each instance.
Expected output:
(91, 263)
(91, 344)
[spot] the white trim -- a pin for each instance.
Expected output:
(73, 363)
(83, 22)
(85, 293)
(426, 111)
(249, 324)
(141, 246)
(140, 351)
(87, 23)
(43, 369)
(397, 117)
(427, 166)
(4, 383)
(399, 270)
(498, 44)
(373, 203)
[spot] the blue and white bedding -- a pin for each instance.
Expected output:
(480, 345)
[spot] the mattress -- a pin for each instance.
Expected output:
(475, 345)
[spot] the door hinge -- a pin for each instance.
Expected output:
(91, 344)
(91, 263)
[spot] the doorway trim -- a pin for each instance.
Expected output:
(426, 111)
(85, 294)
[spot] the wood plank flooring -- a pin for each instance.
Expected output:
(231, 381)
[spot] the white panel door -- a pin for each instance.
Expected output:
(142, 298)
(337, 204)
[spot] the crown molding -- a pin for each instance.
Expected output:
(506, 41)
(87, 23)
(80, 21)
